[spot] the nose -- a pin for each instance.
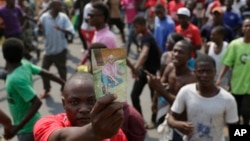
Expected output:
(84, 108)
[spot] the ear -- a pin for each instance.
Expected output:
(63, 100)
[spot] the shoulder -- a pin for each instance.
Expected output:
(188, 87)
(236, 41)
(120, 136)
(193, 27)
(46, 120)
(44, 127)
(226, 95)
(63, 15)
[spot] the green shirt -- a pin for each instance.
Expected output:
(237, 56)
(19, 87)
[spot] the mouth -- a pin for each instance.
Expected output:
(83, 120)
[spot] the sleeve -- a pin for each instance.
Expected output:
(179, 103)
(136, 130)
(231, 111)
(20, 12)
(197, 38)
(68, 25)
(35, 69)
(120, 136)
(24, 89)
(44, 127)
(229, 57)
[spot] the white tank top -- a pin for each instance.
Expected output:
(217, 58)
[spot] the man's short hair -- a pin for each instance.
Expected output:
(139, 20)
(83, 76)
(160, 7)
(205, 58)
(103, 8)
(13, 50)
(186, 44)
(220, 30)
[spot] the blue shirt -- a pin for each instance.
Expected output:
(55, 40)
(207, 28)
(161, 31)
(231, 19)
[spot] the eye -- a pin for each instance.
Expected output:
(92, 101)
(74, 102)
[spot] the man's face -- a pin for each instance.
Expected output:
(217, 17)
(137, 28)
(183, 19)
(180, 55)
(57, 6)
(205, 73)
(246, 27)
(190, 5)
(214, 36)
(160, 13)
(11, 2)
(96, 17)
(78, 101)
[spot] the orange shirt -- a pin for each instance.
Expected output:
(192, 33)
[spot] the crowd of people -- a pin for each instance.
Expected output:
(193, 55)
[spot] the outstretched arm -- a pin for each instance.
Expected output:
(52, 77)
(106, 120)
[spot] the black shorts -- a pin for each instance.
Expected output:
(243, 104)
(118, 22)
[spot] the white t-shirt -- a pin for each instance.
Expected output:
(86, 10)
(208, 115)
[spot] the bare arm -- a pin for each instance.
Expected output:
(35, 105)
(85, 133)
(5, 120)
(142, 58)
(155, 83)
(52, 77)
(224, 69)
(186, 128)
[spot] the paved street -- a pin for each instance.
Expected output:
(52, 105)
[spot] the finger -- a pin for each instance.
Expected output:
(148, 73)
(108, 112)
(102, 103)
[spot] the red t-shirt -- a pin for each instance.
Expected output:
(192, 33)
(46, 125)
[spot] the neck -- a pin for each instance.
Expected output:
(180, 70)
(247, 39)
(9, 6)
(54, 13)
(219, 43)
(12, 66)
(100, 27)
(217, 23)
(229, 8)
(207, 90)
(184, 26)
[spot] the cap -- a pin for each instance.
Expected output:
(183, 11)
(218, 10)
